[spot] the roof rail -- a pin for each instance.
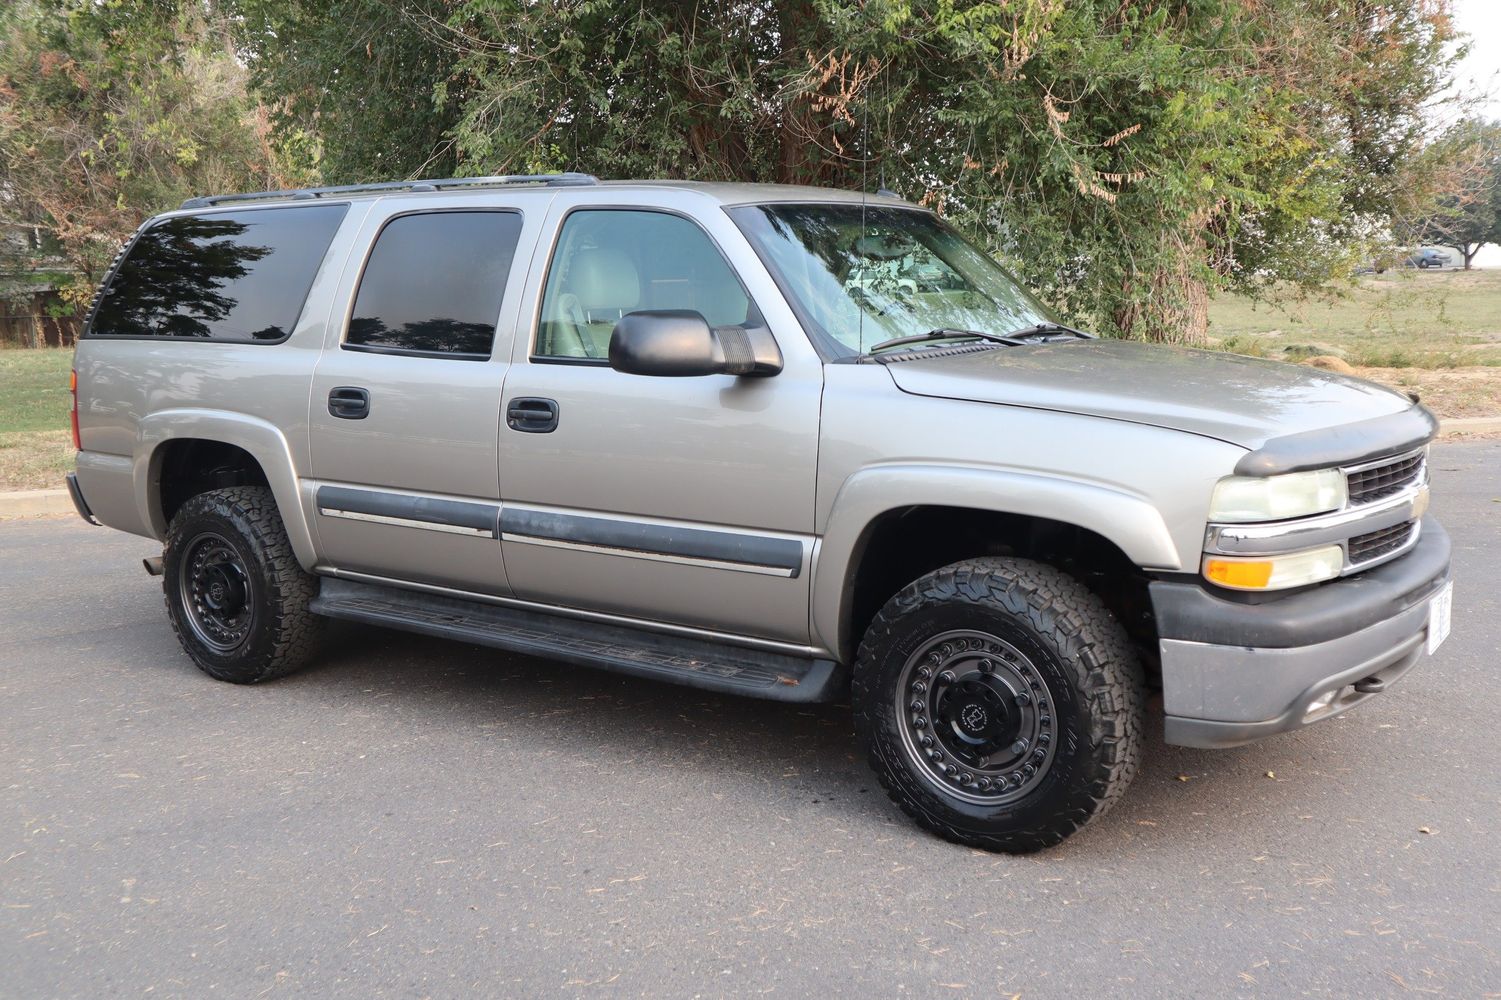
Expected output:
(437, 184)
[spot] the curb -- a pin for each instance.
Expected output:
(1469, 425)
(35, 503)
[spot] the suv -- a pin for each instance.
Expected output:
(681, 431)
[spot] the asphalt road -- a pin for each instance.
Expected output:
(414, 818)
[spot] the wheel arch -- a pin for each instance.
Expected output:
(187, 451)
(890, 525)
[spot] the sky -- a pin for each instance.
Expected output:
(1481, 72)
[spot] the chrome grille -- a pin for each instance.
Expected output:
(1370, 483)
(1375, 544)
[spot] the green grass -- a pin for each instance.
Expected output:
(1400, 319)
(34, 389)
(36, 446)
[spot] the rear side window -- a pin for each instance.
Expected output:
(434, 284)
(230, 276)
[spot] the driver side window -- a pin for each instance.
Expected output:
(610, 262)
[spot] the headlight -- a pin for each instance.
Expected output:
(1238, 499)
(1296, 569)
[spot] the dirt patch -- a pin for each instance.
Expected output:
(1462, 392)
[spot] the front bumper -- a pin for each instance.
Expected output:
(1235, 672)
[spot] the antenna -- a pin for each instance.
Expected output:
(864, 187)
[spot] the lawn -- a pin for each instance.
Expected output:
(1401, 319)
(36, 447)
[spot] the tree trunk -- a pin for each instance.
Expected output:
(1469, 250)
(1169, 305)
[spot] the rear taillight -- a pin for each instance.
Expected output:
(73, 389)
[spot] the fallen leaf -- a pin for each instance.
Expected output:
(1271, 774)
(1183, 777)
(1424, 829)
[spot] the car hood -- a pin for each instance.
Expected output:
(1244, 401)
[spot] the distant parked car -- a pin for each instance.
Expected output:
(1427, 257)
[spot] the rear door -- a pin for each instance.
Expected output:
(405, 400)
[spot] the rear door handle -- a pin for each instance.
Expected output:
(532, 414)
(349, 402)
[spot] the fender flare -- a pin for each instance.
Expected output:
(1127, 520)
(260, 438)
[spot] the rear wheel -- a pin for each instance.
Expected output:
(236, 596)
(1000, 702)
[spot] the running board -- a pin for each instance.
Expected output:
(677, 659)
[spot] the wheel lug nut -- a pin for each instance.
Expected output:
(1038, 755)
(947, 677)
(1019, 747)
(1029, 770)
(1044, 739)
(1016, 777)
(984, 785)
(916, 705)
(950, 770)
(919, 687)
(1022, 698)
(926, 741)
(966, 778)
(919, 723)
(986, 666)
(924, 672)
(1046, 720)
(935, 755)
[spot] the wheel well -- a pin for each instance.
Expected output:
(904, 544)
(187, 467)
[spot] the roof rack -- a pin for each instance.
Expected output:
(438, 184)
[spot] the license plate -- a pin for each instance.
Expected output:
(1440, 609)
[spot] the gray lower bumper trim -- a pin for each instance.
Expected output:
(1222, 696)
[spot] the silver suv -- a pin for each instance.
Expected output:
(781, 442)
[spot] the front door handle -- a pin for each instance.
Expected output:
(349, 402)
(532, 415)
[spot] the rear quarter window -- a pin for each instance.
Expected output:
(227, 276)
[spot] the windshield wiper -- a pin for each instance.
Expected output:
(1033, 334)
(1045, 333)
(933, 336)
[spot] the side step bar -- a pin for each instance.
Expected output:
(678, 659)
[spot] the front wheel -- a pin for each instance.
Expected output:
(1000, 702)
(236, 596)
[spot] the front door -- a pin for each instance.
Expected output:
(680, 500)
(405, 405)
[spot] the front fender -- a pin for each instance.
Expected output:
(262, 439)
(1128, 520)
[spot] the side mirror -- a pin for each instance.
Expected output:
(680, 342)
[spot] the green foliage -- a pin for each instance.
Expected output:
(1127, 157)
(110, 112)
(360, 90)
(1130, 158)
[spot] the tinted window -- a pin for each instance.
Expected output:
(434, 284)
(239, 276)
(609, 263)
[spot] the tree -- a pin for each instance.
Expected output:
(112, 112)
(1469, 213)
(1129, 158)
(362, 90)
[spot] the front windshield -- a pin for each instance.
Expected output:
(862, 275)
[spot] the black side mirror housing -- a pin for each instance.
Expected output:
(679, 343)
